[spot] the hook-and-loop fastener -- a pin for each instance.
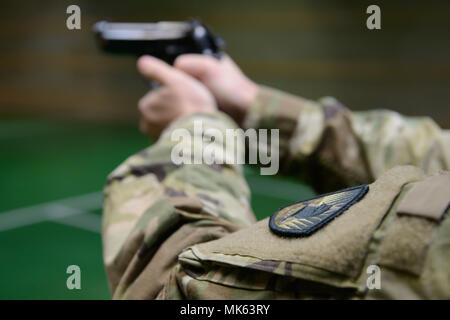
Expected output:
(419, 214)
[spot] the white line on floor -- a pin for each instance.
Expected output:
(52, 210)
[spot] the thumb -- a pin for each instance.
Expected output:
(196, 65)
(155, 69)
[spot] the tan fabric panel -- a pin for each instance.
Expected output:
(418, 215)
(406, 242)
(434, 279)
(428, 198)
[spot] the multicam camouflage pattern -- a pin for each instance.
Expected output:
(336, 148)
(154, 209)
(187, 231)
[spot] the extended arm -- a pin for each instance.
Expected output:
(335, 147)
(323, 140)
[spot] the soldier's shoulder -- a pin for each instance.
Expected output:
(333, 242)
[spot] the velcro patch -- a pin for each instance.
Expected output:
(303, 218)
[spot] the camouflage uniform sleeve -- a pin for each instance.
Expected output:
(334, 147)
(153, 208)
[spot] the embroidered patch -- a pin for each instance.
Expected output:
(303, 218)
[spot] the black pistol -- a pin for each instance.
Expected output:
(164, 40)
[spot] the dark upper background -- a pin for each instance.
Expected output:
(309, 48)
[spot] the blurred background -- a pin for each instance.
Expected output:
(68, 112)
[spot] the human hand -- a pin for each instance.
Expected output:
(232, 89)
(179, 95)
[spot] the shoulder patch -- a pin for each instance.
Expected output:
(303, 218)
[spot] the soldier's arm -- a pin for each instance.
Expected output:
(336, 147)
(332, 145)
(156, 203)
(154, 208)
(186, 232)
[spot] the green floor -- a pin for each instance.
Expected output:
(51, 176)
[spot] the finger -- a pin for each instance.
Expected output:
(155, 69)
(151, 107)
(145, 103)
(196, 65)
